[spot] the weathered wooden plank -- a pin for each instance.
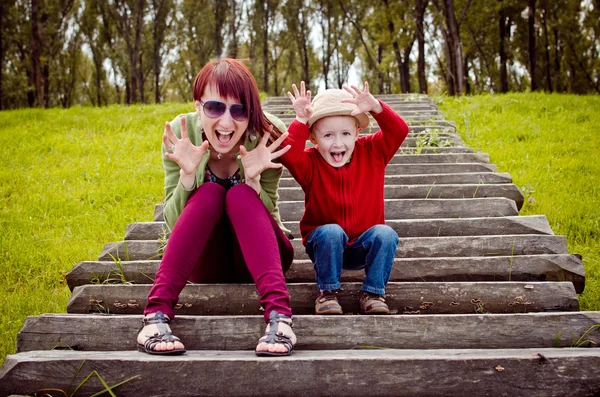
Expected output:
(424, 168)
(88, 332)
(505, 245)
(411, 120)
(419, 108)
(432, 179)
(403, 298)
(497, 268)
(424, 208)
(405, 208)
(507, 190)
(434, 150)
(531, 224)
(412, 247)
(449, 372)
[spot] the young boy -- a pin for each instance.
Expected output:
(342, 178)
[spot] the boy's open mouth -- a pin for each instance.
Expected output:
(337, 156)
(224, 136)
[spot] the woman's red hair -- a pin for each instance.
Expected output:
(234, 80)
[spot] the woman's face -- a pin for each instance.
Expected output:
(223, 131)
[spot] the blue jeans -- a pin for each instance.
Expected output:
(375, 249)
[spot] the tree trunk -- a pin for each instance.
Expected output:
(467, 83)
(547, 51)
(220, 7)
(420, 8)
(380, 49)
(532, 71)
(557, 60)
(405, 68)
(403, 63)
(265, 6)
(454, 49)
(502, 51)
(304, 36)
(46, 80)
(233, 45)
(36, 47)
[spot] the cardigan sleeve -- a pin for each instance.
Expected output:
(296, 160)
(175, 195)
(393, 131)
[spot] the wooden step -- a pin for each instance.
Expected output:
(416, 247)
(532, 224)
(433, 150)
(441, 158)
(437, 191)
(402, 298)
(431, 179)
(411, 120)
(424, 208)
(490, 268)
(562, 372)
(425, 168)
(507, 190)
(97, 332)
(429, 208)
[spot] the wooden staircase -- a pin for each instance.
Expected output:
(484, 301)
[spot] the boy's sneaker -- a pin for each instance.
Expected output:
(327, 303)
(373, 304)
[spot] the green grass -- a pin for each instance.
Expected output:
(71, 180)
(550, 145)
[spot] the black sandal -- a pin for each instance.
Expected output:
(273, 335)
(163, 335)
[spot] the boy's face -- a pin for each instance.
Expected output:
(335, 137)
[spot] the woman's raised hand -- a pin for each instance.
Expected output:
(183, 151)
(261, 157)
(301, 102)
(363, 100)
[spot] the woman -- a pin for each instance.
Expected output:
(221, 207)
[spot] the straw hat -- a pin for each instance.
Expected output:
(329, 103)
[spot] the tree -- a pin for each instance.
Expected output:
(455, 76)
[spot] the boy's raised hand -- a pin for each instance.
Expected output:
(363, 100)
(301, 102)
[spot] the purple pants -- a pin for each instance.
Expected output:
(224, 236)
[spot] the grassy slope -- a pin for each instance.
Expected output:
(71, 180)
(550, 144)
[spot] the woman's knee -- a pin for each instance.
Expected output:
(208, 194)
(239, 196)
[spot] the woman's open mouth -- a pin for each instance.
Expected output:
(224, 136)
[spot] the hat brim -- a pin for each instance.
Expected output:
(362, 118)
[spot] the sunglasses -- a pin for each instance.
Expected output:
(215, 109)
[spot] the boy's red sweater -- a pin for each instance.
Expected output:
(350, 196)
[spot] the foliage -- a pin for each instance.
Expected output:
(100, 52)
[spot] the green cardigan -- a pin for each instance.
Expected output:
(176, 196)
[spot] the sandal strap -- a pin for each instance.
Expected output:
(157, 338)
(273, 335)
(159, 318)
